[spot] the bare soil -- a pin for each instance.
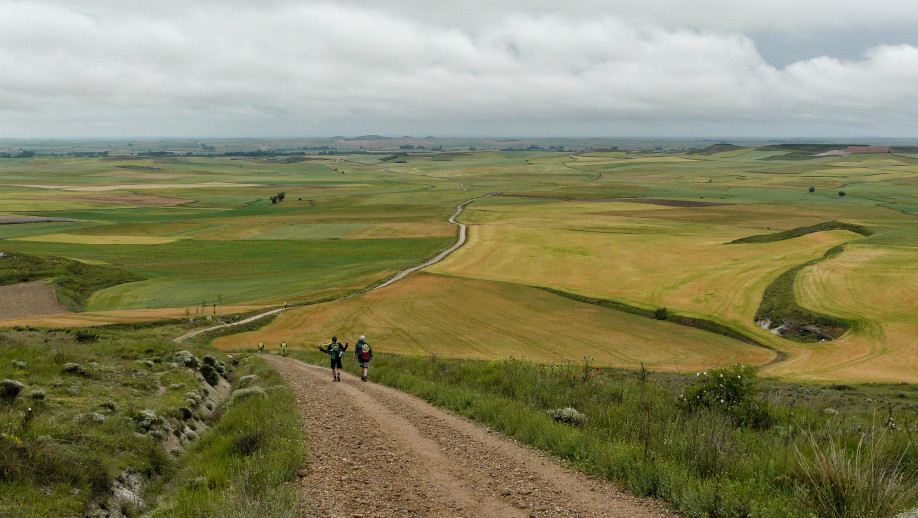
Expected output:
(28, 299)
(379, 452)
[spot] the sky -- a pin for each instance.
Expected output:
(277, 68)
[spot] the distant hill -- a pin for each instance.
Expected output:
(368, 137)
(718, 148)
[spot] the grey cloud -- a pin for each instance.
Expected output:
(283, 68)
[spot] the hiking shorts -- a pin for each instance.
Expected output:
(336, 363)
(365, 365)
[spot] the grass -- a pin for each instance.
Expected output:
(703, 461)
(246, 464)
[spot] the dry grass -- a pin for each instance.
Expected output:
(103, 318)
(878, 285)
(87, 239)
(453, 317)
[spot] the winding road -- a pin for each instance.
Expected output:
(463, 236)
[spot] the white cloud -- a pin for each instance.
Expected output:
(275, 68)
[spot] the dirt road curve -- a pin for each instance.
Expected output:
(378, 452)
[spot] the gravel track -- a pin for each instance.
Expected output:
(376, 451)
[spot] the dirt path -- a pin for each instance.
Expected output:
(463, 231)
(379, 452)
(29, 299)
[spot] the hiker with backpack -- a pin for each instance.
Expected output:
(363, 353)
(336, 351)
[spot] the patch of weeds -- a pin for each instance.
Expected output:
(76, 369)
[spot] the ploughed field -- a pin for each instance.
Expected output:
(625, 258)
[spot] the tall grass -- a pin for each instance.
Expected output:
(706, 461)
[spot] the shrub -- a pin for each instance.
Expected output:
(568, 415)
(186, 413)
(841, 194)
(660, 314)
(242, 394)
(147, 419)
(247, 381)
(76, 369)
(187, 359)
(812, 189)
(9, 389)
(86, 337)
(38, 395)
(18, 364)
(193, 398)
(209, 360)
(730, 390)
(210, 375)
(221, 368)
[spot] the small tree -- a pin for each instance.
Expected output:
(660, 314)
(812, 189)
(281, 195)
(273, 199)
(841, 194)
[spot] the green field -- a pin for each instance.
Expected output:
(642, 230)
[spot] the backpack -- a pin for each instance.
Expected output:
(364, 353)
(334, 350)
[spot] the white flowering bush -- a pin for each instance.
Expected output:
(568, 415)
(728, 389)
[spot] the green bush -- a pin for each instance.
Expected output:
(187, 359)
(248, 380)
(568, 415)
(76, 369)
(730, 390)
(210, 375)
(9, 389)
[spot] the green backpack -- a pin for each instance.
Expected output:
(334, 350)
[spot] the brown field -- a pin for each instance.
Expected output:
(139, 200)
(454, 317)
(103, 318)
(28, 299)
(137, 186)
(14, 220)
(140, 175)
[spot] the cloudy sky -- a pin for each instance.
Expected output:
(272, 68)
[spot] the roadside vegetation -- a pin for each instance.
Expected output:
(717, 443)
(96, 421)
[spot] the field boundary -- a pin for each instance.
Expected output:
(667, 315)
(461, 239)
(802, 231)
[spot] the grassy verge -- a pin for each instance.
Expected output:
(74, 282)
(245, 465)
(755, 454)
(85, 412)
(802, 231)
(779, 307)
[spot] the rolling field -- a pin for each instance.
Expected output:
(648, 230)
(454, 317)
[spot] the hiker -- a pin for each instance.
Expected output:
(336, 351)
(261, 347)
(363, 353)
(284, 349)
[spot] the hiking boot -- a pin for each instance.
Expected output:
(363, 378)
